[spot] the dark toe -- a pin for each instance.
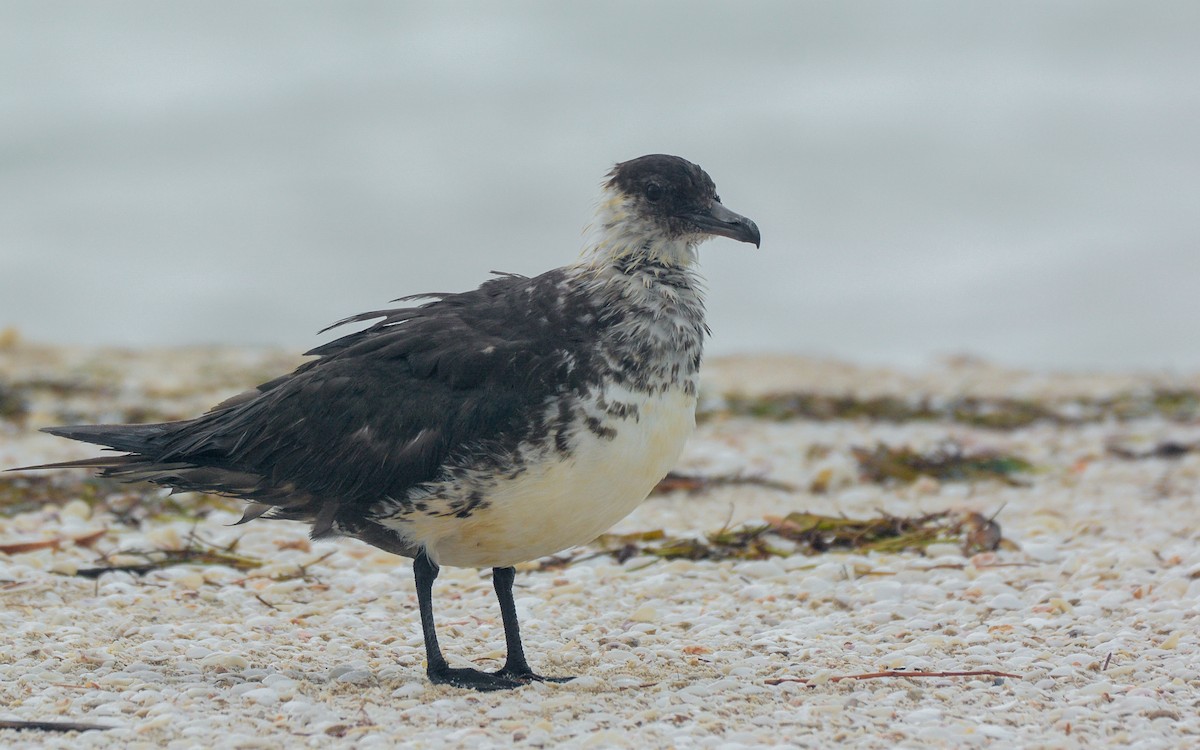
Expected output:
(526, 676)
(473, 679)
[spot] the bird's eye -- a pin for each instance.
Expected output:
(653, 192)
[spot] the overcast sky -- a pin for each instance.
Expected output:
(1013, 180)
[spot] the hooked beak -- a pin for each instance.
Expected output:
(722, 222)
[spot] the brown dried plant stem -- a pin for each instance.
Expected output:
(899, 673)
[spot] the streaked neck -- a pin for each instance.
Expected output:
(617, 236)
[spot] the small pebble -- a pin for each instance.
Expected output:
(225, 662)
(355, 677)
(1006, 601)
(262, 695)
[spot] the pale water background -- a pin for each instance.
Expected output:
(1015, 180)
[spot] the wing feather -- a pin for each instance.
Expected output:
(379, 411)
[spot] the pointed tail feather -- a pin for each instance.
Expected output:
(99, 462)
(148, 460)
(135, 438)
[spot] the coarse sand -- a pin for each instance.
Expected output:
(1092, 606)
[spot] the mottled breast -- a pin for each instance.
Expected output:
(561, 500)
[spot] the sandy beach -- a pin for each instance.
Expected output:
(1078, 630)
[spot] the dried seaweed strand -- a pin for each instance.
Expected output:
(695, 483)
(195, 551)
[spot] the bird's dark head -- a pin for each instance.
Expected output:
(663, 206)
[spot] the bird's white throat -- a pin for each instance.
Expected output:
(618, 232)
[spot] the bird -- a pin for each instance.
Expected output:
(477, 429)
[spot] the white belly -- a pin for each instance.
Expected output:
(564, 501)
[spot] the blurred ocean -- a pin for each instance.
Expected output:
(1015, 180)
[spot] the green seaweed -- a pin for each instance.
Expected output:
(129, 503)
(994, 413)
(26, 493)
(946, 463)
(14, 403)
(803, 534)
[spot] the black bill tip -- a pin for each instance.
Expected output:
(720, 221)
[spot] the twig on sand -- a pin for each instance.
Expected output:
(52, 726)
(897, 673)
(86, 539)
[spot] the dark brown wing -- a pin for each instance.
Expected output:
(379, 411)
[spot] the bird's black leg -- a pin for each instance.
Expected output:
(441, 673)
(515, 666)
